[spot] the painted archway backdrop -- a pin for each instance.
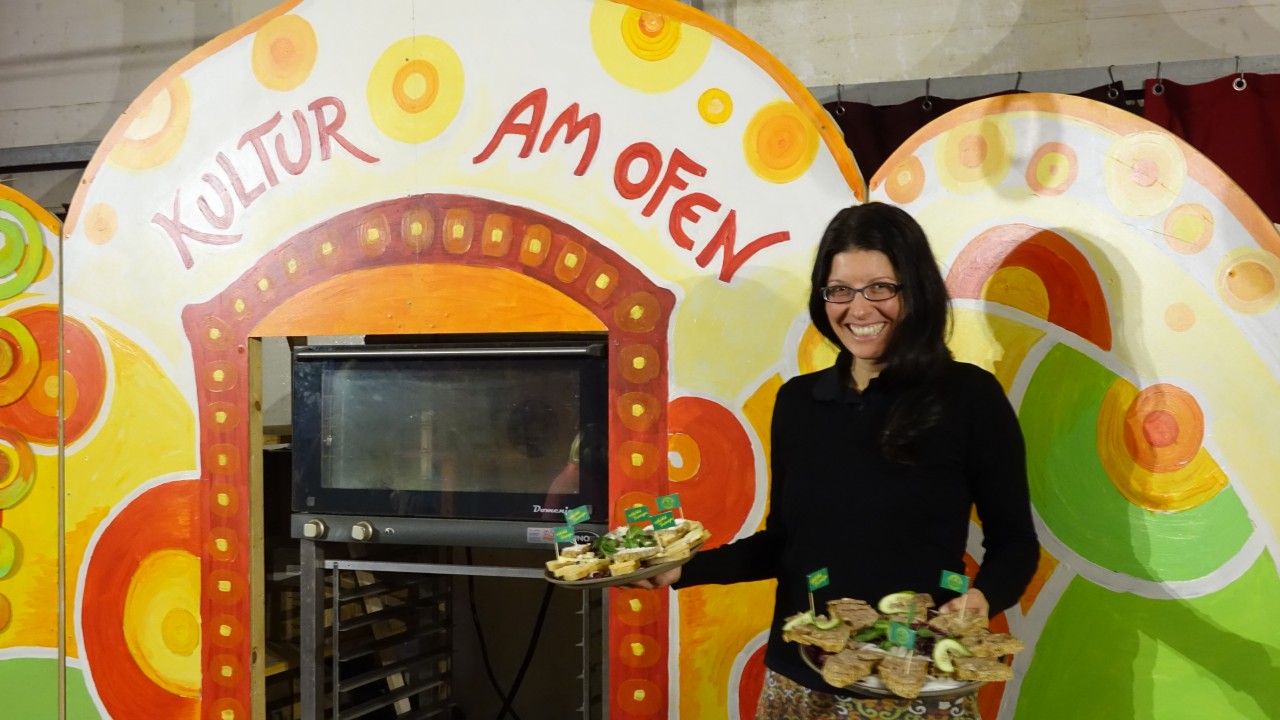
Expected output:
(633, 167)
(1125, 292)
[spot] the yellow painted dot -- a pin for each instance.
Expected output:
(222, 460)
(602, 281)
(224, 630)
(218, 375)
(638, 695)
(636, 605)
(636, 312)
(637, 459)
(181, 631)
(228, 714)
(496, 235)
(637, 649)
(239, 305)
(535, 246)
(220, 417)
(221, 544)
(458, 231)
(415, 228)
(214, 333)
(638, 363)
(570, 260)
(223, 499)
(326, 248)
(637, 409)
(372, 235)
(224, 586)
(291, 266)
(264, 285)
(226, 671)
(51, 386)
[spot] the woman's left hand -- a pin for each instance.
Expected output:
(972, 601)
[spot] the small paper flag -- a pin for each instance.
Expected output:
(669, 502)
(664, 521)
(578, 515)
(637, 514)
(954, 581)
(564, 534)
(818, 579)
(902, 635)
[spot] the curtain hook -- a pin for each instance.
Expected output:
(1158, 88)
(927, 105)
(1112, 91)
(1239, 83)
(839, 99)
(1017, 83)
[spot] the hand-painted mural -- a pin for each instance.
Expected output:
(635, 168)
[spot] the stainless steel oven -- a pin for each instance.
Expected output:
(464, 440)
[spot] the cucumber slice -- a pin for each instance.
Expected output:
(804, 618)
(944, 649)
(895, 603)
(826, 623)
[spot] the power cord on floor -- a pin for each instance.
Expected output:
(507, 697)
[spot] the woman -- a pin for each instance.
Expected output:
(877, 462)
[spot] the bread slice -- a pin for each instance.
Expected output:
(622, 568)
(848, 667)
(554, 565)
(954, 625)
(857, 613)
(903, 678)
(832, 640)
(992, 645)
(983, 669)
(577, 571)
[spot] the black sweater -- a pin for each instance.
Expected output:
(880, 527)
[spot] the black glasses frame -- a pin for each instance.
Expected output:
(877, 288)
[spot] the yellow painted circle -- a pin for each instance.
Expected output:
(6, 613)
(975, 156)
(16, 383)
(646, 50)
(157, 130)
(8, 552)
(1143, 173)
(415, 89)
(1249, 281)
(715, 106)
(1188, 228)
(814, 351)
(1019, 288)
(161, 620)
(780, 143)
(284, 52)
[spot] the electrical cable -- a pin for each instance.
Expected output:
(484, 647)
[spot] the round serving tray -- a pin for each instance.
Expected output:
(616, 580)
(810, 653)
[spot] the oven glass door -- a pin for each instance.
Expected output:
(492, 432)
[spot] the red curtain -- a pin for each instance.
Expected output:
(1239, 129)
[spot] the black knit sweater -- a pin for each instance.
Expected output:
(880, 527)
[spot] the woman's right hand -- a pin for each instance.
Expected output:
(657, 582)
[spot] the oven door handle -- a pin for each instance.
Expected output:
(365, 352)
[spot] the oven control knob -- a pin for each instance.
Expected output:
(361, 531)
(313, 528)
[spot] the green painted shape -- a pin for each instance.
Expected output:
(29, 690)
(1105, 655)
(1077, 500)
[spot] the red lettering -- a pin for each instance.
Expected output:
(651, 156)
(246, 198)
(326, 130)
(254, 137)
(177, 230)
(572, 128)
(724, 238)
(686, 208)
(536, 103)
(223, 221)
(304, 155)
(671, 179)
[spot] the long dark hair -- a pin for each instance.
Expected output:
(917, 352)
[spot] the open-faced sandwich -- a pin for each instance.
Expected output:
(854, 650)
(627, 550)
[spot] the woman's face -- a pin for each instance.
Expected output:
(863, 326)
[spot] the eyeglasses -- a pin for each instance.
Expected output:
(875, 292)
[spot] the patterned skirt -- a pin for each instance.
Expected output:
(782, 699)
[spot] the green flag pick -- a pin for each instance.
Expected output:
(637, 514)
(818, 579)
(578, 515)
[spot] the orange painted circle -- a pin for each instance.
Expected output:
(1180, 317)
(751, 683)
(637, 313)
(84, 379)
(1163, 428)
(638, 651)
(722, 488)
(1052, 170)
(635, 608)
(639, 363)
(416, 85)
(1188, 228)
(6, 613)
(630, 500)
(226, 631)
(637, 460)
(905, 181)
(684, 459)
(640, 697)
